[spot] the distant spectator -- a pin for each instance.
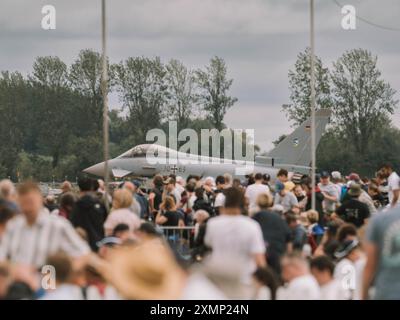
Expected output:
(121, 213)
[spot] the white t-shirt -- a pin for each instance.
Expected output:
(219, 200)
(350, 275)
(393, 184)
(300, 288)
(252, 193)
(235, 238)
(198, 287)
(334, 290)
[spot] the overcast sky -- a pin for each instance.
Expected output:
(259, 39)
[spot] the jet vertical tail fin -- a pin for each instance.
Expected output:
(295, 149)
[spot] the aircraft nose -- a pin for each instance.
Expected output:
(97, 169)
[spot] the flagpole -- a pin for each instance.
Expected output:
(312, 100)
(104, 89)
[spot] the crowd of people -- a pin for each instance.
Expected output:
(204, 238)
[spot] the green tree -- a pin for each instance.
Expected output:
(182, 96)
(85, 78)
(214, 85)
(143, 91)
(362, 100)
(300, 88)
(16, 120)
(49, 80)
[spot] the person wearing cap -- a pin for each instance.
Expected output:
(330, 192)
(106, 244)
(284, 198)
(393, 181)
(170, 190)
(349, 270)
(354, 211)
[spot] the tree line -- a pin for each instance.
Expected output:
(51, 124)
(361, 136)
(51, 119)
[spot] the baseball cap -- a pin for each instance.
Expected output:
(353, 176)
(136, 183)
(345, 248)
(109, 241)
(325, 174)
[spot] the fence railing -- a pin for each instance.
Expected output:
(180, 239)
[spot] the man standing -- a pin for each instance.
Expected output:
(383, 256)
(393, 181)
(89, 213)
(218, 197)
(330, 192)
(234, 236)
(284, 197)
(353, 210)
(277, 235)
(170, 190)
(35, 234)
(254, 190)
(282, 175)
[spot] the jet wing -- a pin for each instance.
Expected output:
(120, 173)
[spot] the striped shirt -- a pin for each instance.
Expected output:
(32, 244)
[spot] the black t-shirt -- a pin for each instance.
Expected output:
(275, 231)
(157, 198)
(90, 214)
(353, 211)
(173, 218)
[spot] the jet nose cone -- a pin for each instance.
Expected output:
(97, 169)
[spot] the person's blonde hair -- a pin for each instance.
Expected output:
(312, 216)
(264, 200)
(168, 204)
(122, 199)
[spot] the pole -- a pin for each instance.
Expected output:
(104, 89)
(312, 99)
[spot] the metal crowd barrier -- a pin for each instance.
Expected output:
(180, 239)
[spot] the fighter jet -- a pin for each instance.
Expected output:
(293, 154)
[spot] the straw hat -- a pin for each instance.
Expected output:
(146, 271)
(289, 185)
